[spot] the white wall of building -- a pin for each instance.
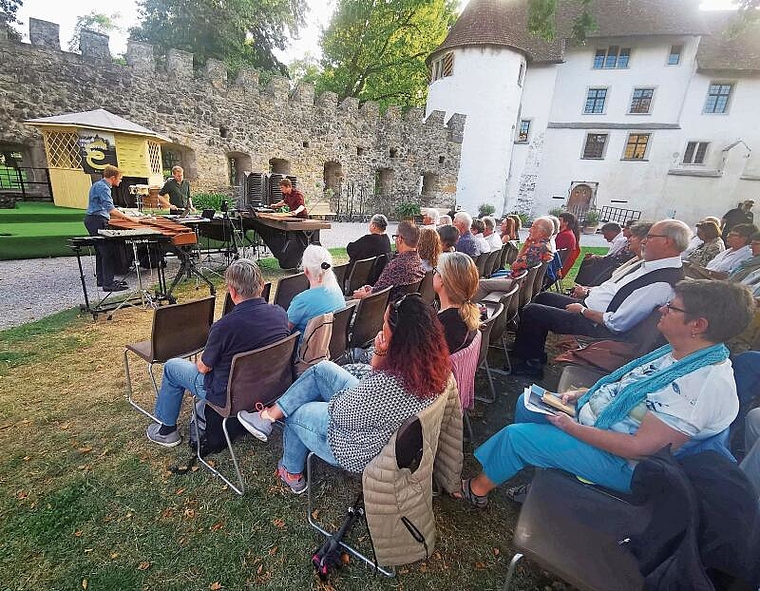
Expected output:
(484, 86)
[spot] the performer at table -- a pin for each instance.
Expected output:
(100, 209)
(175, 194)
(293, 198)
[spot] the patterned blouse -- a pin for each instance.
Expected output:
(405, 268)
(363, 418)
(706, 252)
(532, 253)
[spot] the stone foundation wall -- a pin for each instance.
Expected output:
(209, 117)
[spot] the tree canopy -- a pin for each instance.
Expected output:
(238, 32)
(376, 49)
(8, 10)
(94, 21)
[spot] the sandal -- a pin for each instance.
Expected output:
(518, 493)
(477, 501)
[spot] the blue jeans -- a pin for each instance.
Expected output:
(533, 441)
(179, 375)
(304, 405)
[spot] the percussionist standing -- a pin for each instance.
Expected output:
(175, 194)
(293, 198)
(100, 209)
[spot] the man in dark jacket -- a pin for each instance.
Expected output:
(373, 244)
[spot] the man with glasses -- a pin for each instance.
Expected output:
(405, 268)
(610, 309)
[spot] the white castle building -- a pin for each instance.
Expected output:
(658, 112)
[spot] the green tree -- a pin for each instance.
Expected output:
(305, 69)
(238, 32)
(376, 49)
(8, 10)
(94, 21)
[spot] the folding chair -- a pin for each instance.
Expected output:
(538, 280)
(485, 331)
(464, 365)
(368, 319)
(341, 326)
(258, 376)
(358, 276)
(340, 274)
(426, 289)
(377, 269)
(480, 263)
(492, 263)
(510, 251)
(315, 344)
(229, 304)
(526, 291)
(408, 288)
(290, 287)
(179, 330)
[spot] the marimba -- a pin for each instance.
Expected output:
(180, 235)
(286, 237)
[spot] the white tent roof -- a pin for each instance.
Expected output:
(99, 119)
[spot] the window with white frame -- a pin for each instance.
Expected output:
(523, 131)
(612, 57)
(717, 97)
(593, 149)
(442, 67)
(595, 99)
(637, 146)
(641, 101)
(674, 57)
(695, 152)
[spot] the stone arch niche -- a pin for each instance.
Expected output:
(238, 163)
(333, 177)
(279, 166)
(429, 187)
(384, 182)
(179, 155)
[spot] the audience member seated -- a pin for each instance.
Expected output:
(449, 236)
(347, 421)
(751, 462)
(569, 239)
(455, 280)
(555, 230)
(489, 233)
(477, 229)
(429, 248)
(637, 233)
(373, 244)
(696, 241)
(610, 309)
(596, 269)
(251, 324)
(324, 294)
(739, 249)
(683, 391)
(517, 226)
(403, 269)
(466, 242)
(534, 251)
(748, 267)
(711, 244)
(430, 217)
(444, 220)
(741, 214)
(507, 229)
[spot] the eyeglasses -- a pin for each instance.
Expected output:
(435, 271)
(671, 308)
(648, 236)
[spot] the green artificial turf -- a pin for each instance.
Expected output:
(33, 211)
(37, 240)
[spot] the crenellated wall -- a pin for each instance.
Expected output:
(209, 117)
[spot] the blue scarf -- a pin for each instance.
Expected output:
(633, 394)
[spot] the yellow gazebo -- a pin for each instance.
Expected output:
(79, 145)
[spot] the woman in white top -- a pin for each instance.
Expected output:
(680, 392)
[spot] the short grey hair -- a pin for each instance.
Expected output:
(640, 229)
(546, 225)
(489, 222)
(464, 218)
(444, 220)
(380, 221)
(176, 168)
(432, 213)
(245, 277)
(678, 232)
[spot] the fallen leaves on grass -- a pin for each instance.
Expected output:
(278, 522)
(145, 565)
(215, 586)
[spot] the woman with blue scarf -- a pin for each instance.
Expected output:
(684, 390)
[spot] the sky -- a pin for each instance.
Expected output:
(317, 17)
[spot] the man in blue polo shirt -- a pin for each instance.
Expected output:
(252, 324)
(100, 209)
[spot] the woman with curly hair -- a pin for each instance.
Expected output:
(455, 280)
(429, 248)
(347, 421)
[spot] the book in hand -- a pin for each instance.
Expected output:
(538, 399)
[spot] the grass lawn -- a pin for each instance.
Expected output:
(86, 502)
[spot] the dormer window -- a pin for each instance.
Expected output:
(442, 67)
(612, 57)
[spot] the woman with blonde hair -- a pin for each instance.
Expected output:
(324, 294)
(429, 248)
(455, 280)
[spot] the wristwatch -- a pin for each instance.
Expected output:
(583, 309)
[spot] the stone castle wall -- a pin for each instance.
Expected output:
(210, 118)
